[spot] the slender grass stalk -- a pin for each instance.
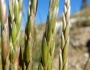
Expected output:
(65, 36)
(48, 43)
(4, 35)
(15, 12)
(29, 33)
(60, 60)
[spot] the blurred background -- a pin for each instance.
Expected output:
(79, 49)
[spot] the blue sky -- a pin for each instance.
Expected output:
(42, 10)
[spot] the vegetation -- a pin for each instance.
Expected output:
(14, 56)
(15, 11)
(4, 35)
(29, 34)
(65, 36)
(48, 44)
